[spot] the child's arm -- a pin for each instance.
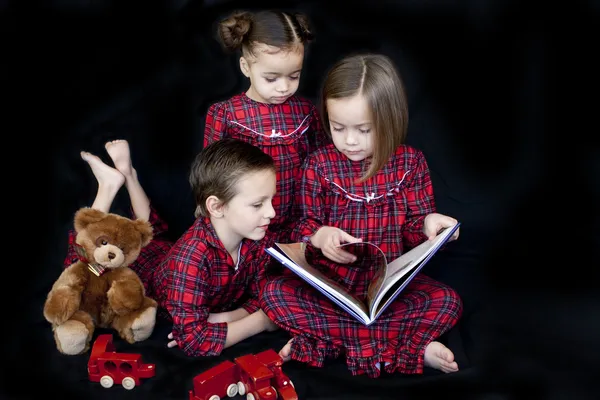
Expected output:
(307, 209)
(188, 301)
(227, 316)
(215, 124)
(420, 201)
(251, 325)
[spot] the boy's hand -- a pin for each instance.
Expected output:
(328, 239)
(173, 342)
(435, 222)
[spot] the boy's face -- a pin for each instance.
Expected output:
(351, 126)
(249, 212)
(274, 74)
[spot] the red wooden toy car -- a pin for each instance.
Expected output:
(109, 367)
(259, 377)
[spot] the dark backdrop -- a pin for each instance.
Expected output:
(498, 104)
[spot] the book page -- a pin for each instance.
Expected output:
(371, 254)
(293, 258)
(411, 261)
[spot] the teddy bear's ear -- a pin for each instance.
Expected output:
(86, 216)
(145, 229)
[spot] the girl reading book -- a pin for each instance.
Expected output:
(367, 185)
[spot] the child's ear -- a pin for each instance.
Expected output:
(245, 67)
(214, 206)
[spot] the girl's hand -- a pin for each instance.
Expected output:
(435, 222)
(328, 239)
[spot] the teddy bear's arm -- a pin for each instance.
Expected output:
(65, 296)
(126, 291)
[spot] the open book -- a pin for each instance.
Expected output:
(388, 282)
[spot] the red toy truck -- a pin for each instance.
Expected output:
(109, 367)
(259, 377)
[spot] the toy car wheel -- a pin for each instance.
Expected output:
(250, 396)
(106, 381)
(128, 383)
(232, 390)
(214, 397)
(292, 383)
(241, 388)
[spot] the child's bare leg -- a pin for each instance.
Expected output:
(440, 357)
(118, 150)
(109, 181)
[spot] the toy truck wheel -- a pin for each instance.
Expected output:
(214, 397)
(106, 381)
(250, 396)
(232, 390)
(241, 388)
(128, 383)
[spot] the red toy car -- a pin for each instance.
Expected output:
(109, 367)
(259, 377)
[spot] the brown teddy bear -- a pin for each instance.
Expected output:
(100, 289)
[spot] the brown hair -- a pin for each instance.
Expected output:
(218, 168)
(243, 30)
(376, 78)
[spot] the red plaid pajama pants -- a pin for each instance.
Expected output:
(397, 339)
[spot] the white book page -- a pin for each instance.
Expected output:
(293, 258)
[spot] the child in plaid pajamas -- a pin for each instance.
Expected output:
(209, 279)
(269, 114)
(367, 186)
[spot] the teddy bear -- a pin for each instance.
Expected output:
(99, 289)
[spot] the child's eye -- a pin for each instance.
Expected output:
(364, 131)
(271, 80)
(259, 205)
(294, 77)
(338, 129)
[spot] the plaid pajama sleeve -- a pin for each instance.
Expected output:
(420, 202)
(189, 303)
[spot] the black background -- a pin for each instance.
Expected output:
(502, 99)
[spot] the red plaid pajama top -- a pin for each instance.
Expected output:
(388, 210)
(196, 276)
(288, 132)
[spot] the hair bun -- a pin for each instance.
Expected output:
(234, 29)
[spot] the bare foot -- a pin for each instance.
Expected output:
(440, 357)
(109, 181)
(106, 176)
(118, 150)
(285, 352)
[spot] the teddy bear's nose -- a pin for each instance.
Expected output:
(111, 255)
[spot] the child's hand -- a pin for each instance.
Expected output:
(328, 239)
(173, 342)
(435, 222)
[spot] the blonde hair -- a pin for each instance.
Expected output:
(375, 77)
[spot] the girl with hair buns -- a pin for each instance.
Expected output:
(268, 114)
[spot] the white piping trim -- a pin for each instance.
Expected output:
(273, 133)
(370, 196)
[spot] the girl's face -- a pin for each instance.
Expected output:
(351, 126)
(274, 74)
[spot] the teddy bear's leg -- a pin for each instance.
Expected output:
(138, 325)
(73, 336)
